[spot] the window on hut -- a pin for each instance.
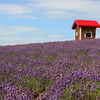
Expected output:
(88, 34)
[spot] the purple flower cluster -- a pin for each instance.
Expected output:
(67, 70)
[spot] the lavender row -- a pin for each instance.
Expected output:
(67, 70)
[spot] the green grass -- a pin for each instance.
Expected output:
(38, 86)
(11, 54)
(88, 94)
(34, 57)
(80, 53)
(49, 58)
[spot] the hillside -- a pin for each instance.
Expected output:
(67, 70)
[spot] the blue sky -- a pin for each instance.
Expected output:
(35, 21)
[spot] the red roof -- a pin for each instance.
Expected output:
(85, 23)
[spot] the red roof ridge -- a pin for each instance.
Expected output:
(85, 23)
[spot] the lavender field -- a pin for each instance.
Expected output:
(67, 70)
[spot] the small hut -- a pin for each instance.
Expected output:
(85, 29)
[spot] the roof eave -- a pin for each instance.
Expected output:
(74, 25)
(89, 26)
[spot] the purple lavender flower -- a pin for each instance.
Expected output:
(50, 71)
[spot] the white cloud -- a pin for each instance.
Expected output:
(18, 35)
(21, 11)
(68, 8)
(5, 31)
(54, 8)
(17, 29)
(15, 40)
(21, 35)
(27, 16)
(14, 9)
(68, 4)
(9, 40)
(56, 36)
(24, 29)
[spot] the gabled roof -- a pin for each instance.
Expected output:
(85, 23)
